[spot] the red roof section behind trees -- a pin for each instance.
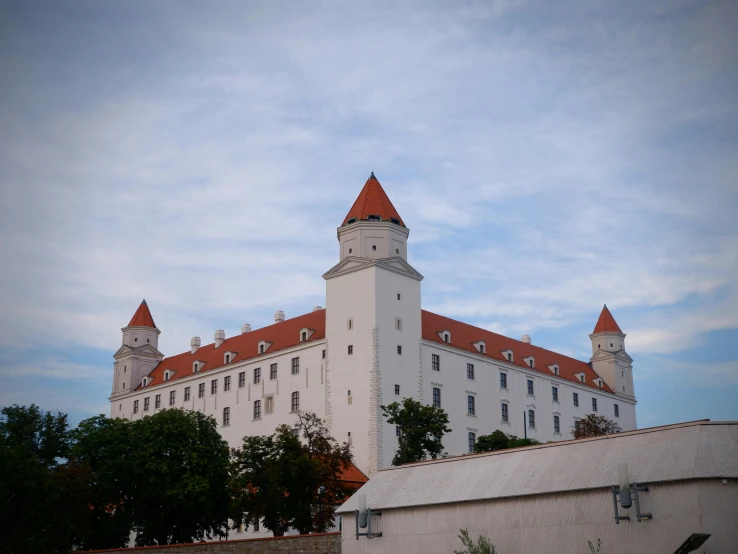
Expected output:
(373, 200)
(142, 317)
(606, 323)
(463, 336)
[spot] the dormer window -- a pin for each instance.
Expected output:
(168, 374)
(508, 355)
(395, 220)
(481, 346)
(445, 336)
(554, 368)
(530, 361)
(580, 377)
(263, 346)
(303, 336)
(350, 221)
(144, 381)
(374, 218)
(229, 356)
(196, 366)
(306, 333)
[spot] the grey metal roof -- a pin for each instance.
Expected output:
(694, 450)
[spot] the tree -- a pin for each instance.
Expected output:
(104, 448)
(421, 430)
(482, 546)
(179, 469)
(33, 446)
(594, 426)
(291, 478)
(501, 441)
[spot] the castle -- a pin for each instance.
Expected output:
(371, 345)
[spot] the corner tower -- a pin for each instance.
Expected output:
(139, 352)
(373, 327)
(609, 358)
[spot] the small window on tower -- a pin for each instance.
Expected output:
(374, 246)
(352, 220)
(395, 220)
(398, 295)
(373, 218)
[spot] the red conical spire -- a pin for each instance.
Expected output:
(606, 323)
(373, 201)
(142, 317)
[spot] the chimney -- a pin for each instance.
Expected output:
(317, 308)
(219, 337)
(278, 316)
(526, 339)
(195, 344)
(245, 328)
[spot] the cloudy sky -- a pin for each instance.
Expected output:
(548, 157)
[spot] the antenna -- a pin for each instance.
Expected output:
(626, 501)
(362, 511)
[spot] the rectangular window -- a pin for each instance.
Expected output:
(504, 413)
(273, 371)
(256, 526)
(296, 401)
(269, 404)
(399, 350)
(398, 324)
(146, 404)
(435, 362)
(557, 426)
(594, 404)
(576, 400)
(555, 393)
(187, 394)
(531, 419)
(226, 417)
(257, 409)
(617, 410)
(172, 397)
(226, 383)
(470, 371)
(397, 391)
(436, 397)
(257, 375)
(503, 380)
(530, 387)
(324, 354)
(201, 390)
(350, 349)
(350, 324)
(242, 380)
(470, 409)
(397, 430)
(157, 401)
(472, 441)
(295, 366)
(135, 406)
(214, 386)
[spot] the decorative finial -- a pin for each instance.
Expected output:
(372, 176)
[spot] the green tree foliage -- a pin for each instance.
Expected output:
(482, 546)
(180, 468)
(104, 449)
(291, 478)
(594, 426)
(500, 441)
(34, 508)
(421, 430)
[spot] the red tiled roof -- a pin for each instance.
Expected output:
(142, 317)
(281, 335)
(373, 200)
(606, 323)
(353, 475)
(463, 336)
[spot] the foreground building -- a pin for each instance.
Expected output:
(373, 344)
(555, 497)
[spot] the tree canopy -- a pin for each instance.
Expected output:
(500, 441)
(291, 478)
(421, 430)
(594, 425)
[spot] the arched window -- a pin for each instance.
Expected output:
(557, 426)
(531, 419)
(296, 401)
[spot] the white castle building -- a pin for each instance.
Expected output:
(373, 344)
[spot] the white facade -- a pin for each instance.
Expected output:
(368, 341)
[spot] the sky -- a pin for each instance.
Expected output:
(548, 158)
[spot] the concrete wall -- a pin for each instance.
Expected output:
(564, 522)
(328, 543)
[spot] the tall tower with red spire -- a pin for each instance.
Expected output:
(373, 326)
(609, 358)
(138, 354)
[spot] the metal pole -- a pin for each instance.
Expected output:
(525, 426)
